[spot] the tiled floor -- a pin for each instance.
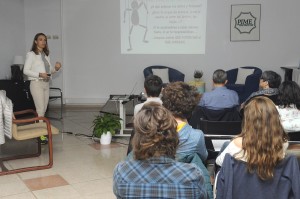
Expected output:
(82, 168)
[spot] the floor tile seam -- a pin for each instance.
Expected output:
(82, 181)
(101, 192)
(15, 194)
(92, 180)
(14, 180)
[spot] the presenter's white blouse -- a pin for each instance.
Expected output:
(34, 65)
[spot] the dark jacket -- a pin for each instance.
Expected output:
(235, 182)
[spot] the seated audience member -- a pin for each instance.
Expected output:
(255, 164)
(268, 84)
(154, 173)
(289, 106)
(262, 134)
(220, 97)
(153, 85)
(181, 99)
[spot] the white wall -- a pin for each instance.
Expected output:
(94, 67)
(12, 34)
(89, 44)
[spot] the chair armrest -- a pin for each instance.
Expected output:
(54, 88)
(57, 93)
(26, 112)
(30, 120)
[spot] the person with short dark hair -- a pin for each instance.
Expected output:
(269, 83)
(289, 106)
(152, 85)
(153, 172)
(220, 97)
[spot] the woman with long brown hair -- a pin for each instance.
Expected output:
(262, 142)
(39, 70)
(254, 164)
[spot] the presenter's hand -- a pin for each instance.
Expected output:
(43, 75)
(57, 66)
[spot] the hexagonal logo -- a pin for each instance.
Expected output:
(245, 22)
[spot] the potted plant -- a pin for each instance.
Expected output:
(197, 75)
(105, 126)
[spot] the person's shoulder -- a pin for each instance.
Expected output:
(231, 91)
(138, 107)
(31, 54)
(196, 132)
(238, 141)
(127, 165)
(191, 167)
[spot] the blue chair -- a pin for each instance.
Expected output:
(174, 75)
(251, 83)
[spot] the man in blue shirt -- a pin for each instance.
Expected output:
(220, 97)
(154, 173)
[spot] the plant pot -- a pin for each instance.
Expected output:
(105, 138)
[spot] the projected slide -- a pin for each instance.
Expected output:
(163, 26)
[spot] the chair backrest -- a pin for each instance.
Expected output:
(203, 113)
(232, 74)
(235, 182)
(174, 75)
(251, 82)
(218, 132)
(294, 136)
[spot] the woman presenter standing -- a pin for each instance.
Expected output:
(39, 70)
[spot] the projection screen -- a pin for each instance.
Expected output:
(163, 26)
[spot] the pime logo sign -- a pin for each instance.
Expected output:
(245, 22)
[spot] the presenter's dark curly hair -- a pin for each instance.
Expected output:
(155, 132)
(180, 98)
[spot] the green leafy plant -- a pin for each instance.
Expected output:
(104, 123)
(198, 74)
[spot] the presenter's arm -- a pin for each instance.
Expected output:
(56, 67)
(28, 66)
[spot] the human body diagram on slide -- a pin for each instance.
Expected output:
(134, 18)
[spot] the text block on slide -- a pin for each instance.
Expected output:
(163, 26)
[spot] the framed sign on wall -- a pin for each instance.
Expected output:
(245, 22)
